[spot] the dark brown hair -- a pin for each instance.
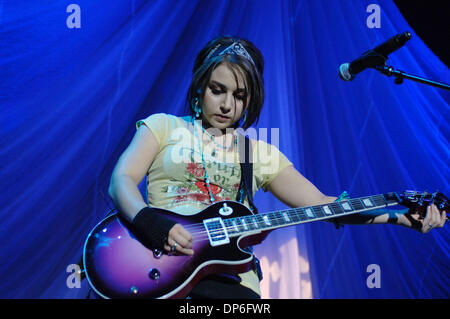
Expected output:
(252, 72)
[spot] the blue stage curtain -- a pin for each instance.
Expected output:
(70, 97)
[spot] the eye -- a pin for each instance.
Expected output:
(215, 90)
(241, 96)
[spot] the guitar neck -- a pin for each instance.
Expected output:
(272, 220)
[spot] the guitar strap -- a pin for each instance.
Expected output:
(246, 189)
(246, 185)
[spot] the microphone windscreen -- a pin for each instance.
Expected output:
(344, 73)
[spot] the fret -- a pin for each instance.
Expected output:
(318, 211)
(235, 225)
(301, 214)
(260, 221)
(273, 219)
(346, 206)
(379, 200)
(266, 220)
(228, 224)
(290, 216)
(250, 222)
(279, 219)
(254, 222)
(309, 212)
(336, 208)
(367, 202)
(327, 210)
(241, 221)
(357, 204)
(286, 217)
(293, 215)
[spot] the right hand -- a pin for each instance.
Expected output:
(181, 239)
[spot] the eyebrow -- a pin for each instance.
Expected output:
(224, 87)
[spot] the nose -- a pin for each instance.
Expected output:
(227, 103)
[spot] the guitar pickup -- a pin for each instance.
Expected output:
(216, 230)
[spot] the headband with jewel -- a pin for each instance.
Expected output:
(234, 49)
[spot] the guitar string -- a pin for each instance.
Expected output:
(276, 219)
(289, 212)
(203, 234)
(292, 212)
(199, 228)
(199, 231)
(238, 228)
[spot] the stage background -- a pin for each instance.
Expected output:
(70, 97)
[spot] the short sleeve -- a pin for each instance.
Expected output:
(268, 162)
(160, 125)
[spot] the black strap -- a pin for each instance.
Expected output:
(246, 174)
(246, 185)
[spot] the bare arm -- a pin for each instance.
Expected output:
(131, 168)
(293, 189)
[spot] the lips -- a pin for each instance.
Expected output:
(221, 118)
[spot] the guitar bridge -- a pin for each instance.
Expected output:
(216, 230)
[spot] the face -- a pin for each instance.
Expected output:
(224, 99)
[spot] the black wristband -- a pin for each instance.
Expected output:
(152, 227)
(392, 220)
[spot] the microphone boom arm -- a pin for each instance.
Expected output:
(400, 75)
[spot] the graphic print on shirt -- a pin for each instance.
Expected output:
(224, 177)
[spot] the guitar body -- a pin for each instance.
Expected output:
(118, 265)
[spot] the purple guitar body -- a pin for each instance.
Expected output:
(118, 265)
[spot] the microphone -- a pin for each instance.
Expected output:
(374, 57)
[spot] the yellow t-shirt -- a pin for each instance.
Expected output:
(176, 179)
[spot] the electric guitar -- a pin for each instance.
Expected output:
(118, 265)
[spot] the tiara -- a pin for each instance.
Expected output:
(234, 49)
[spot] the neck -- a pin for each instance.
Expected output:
(214, 131)
(223, 137)
(237, 226)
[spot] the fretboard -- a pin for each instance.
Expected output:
(246, 224)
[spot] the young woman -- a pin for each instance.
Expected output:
(193, 161)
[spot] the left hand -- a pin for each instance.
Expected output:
(433, 219)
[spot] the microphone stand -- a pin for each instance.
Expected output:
(400, 75)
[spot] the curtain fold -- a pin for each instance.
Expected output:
(69, 100)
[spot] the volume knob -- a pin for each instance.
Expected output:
(157, 253)
(154, 274)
